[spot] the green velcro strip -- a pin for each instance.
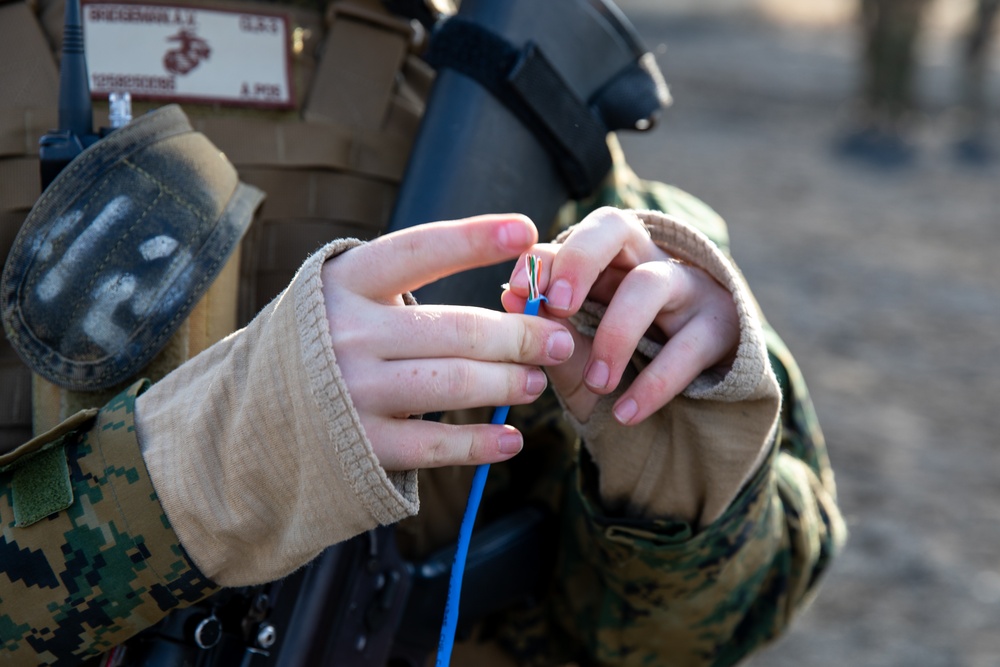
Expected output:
(40, 486)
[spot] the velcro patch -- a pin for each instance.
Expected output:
(41, 486)
(188, 54)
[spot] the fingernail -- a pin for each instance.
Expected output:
(560, 295)
(514, 235)
(598, 374)
(560, 346)
(536, 382)
(625, 411)
(510, 443)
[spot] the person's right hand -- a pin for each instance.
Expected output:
(398, 361)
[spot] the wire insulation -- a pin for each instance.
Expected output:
(450, 624)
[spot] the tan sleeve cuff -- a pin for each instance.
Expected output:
(256, 450)
(690, 460)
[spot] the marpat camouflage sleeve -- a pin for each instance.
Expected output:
(658, 592)
(76, 582)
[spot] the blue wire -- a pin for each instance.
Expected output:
(448, 627)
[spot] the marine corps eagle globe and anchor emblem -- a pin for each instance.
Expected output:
(189, 53)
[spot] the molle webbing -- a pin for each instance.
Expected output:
(363, 52)
(330, 168)
(29, 81)
(333, 169)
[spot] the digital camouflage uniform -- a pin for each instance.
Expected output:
(623, 591)
(105, 567)
(652, 591)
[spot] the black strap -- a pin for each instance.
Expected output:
(526, 83)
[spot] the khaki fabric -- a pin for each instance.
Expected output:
(270, 443)
(690, 459)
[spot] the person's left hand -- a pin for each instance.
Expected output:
(610, 258)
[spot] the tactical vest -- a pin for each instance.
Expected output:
(330, 166)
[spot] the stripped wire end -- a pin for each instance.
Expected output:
(534, 270)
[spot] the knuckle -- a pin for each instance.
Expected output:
(429, 453)
(458, 380)
(438, 451)
(470, 448)
(527, 341)
(614, 336)
(467, 327)
(447, 447)
(633, 221)
(576, 391)
(472, 329)
(479, 242)
(572, 257)
(689, 347)
(607, 215)
(655, 383)
(649, 277)
(613, 217)
(411, 453)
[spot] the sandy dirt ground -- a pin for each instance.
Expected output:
(884, 284)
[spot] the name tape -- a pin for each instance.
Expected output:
(188, 54)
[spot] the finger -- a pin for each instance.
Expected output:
(606, 285)
(411, 258)
(419, 386)
(472, 333)
(605, 237)
(567, 378)
(602, 291)
(685, 356)
(519, 276)
(643, 293)
(425, 444)
(515, 296)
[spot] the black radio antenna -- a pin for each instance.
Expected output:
(58, 147)
(76, 113)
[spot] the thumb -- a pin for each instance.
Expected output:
(567, 377)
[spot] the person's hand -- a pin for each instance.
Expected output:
(609, 258)
(398, 361)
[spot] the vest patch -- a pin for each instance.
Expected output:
(189, 54)
(41, 486)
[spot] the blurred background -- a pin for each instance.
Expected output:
(870, 233)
